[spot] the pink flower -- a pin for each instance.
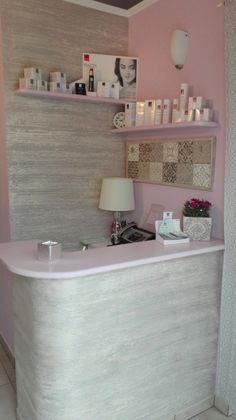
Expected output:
(206, 204)
(194, 202)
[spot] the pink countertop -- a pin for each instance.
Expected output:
(21, 257)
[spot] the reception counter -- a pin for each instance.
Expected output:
(116, 333)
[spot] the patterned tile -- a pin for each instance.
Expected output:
(185, 173)
(170, 152)
(185, 151)
(132, 170)
(133, 152)
(169, 172)
(144, 170)
(144, 152)
(156, 152)
(202, 175)
(156, 170)
(202, 151)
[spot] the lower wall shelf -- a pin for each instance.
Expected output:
(167, 128)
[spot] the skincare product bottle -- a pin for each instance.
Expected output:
(91, 81)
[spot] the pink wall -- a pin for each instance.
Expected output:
(149, 39)
(5, 277)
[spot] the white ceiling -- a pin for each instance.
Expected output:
(126, 8)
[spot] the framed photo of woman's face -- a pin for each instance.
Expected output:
(119, 70)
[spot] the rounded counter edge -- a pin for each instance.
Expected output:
(21, 257)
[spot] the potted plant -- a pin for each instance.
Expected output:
(196, 219)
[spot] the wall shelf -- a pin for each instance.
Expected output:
(167, 128)
(69, 97)
(152, 130)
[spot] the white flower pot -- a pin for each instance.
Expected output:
(197, 228)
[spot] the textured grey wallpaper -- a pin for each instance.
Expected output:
(226, 376)
(58, 152)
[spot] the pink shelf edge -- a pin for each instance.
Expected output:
(68, 96)
(165, 127)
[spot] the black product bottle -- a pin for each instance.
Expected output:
(91, 81)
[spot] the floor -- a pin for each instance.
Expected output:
(8, 397)
(7, 388)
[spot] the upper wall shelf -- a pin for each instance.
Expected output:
(166, 128)
(68, 97)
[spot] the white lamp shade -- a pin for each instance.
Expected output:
(117, 194)
(179, 48)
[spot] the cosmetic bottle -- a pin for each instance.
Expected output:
(91, 81)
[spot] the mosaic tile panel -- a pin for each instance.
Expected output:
(176, 162)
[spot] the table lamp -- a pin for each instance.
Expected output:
(117, 195)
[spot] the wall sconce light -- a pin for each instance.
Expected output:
(179, 48)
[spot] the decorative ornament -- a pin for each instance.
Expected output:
(119, 120)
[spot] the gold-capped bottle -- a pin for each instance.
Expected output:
(91, 81)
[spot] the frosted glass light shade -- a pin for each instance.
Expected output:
(117, 194)
(179, 48)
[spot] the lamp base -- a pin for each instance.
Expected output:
(116, 226)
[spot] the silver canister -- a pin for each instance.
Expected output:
(49, 251)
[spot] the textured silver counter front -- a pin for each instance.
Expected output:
(132, 344)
